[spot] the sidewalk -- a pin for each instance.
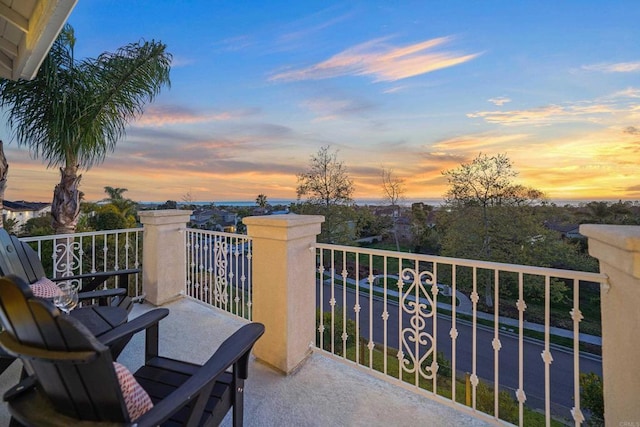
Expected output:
(465, 306)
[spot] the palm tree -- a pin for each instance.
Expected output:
(4, 171)
(124, 205)
(73, 112)
(261, 201)
(114, 193)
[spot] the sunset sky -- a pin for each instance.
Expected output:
(418, 87)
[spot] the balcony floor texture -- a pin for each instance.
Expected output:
(323, 392)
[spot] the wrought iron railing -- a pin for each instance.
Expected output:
(514, 355)
(79, 253)
(219, 270)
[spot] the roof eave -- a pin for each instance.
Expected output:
(44, 27)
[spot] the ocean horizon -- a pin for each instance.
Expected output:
(380, 201)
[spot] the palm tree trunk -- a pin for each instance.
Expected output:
(4, 170)
(65, 208)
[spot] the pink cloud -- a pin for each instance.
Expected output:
(382, 61)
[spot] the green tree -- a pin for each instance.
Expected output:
(597, 212)
(327, 190)
(73, 112)
(169, 204)
(425, 236)
(108, 217)
(487, 215)
(486, 182)
(369, 224)
(11, 225)
(39, 226)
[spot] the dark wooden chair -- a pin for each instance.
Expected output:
(72, 380)
(18, 258)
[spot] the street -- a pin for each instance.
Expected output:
(561, 369)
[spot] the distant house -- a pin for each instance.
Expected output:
(567, 231)
(21, 211)
(214, 219)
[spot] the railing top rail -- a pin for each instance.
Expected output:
(83, 234)
(488, 265)
(219, 233)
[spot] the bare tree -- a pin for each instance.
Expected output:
(189, 199)
(328, 191)
(326, 183)
(393, 190)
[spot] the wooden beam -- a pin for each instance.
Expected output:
(8, 47)
(14, 18)
(6, 62)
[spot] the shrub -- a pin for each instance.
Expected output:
(338, 330)
(591, 397)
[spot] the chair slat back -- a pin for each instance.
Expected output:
(29, 259)
(10, 262)
(85, 390)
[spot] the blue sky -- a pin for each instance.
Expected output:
(414, 86)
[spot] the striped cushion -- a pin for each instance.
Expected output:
(135, 397)
(44, 288)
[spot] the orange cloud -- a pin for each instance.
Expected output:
(155, 116)
(384, 62)
(546, 115)
(613, 108)
(475, 143)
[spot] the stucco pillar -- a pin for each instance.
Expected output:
(617, 247)
(163, 254)
(284, 286)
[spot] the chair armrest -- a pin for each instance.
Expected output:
(140, 323)
(100, 277)
(105, 274)
(104, 293)
(231, 351)
(17, 349)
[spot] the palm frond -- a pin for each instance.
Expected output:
(73, 113)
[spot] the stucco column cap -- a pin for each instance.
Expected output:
(283, 227)
(165, 216)
(625, 237)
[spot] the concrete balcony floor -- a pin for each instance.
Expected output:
(323, 392)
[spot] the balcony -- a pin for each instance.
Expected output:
(372, 352)
(324, 392)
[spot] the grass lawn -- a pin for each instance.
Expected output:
(508, 407)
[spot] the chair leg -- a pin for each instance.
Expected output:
(238, 399)
(151, 342)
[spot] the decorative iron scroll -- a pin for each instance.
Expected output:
(220, 292)
(417, 344)
(66, 257)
